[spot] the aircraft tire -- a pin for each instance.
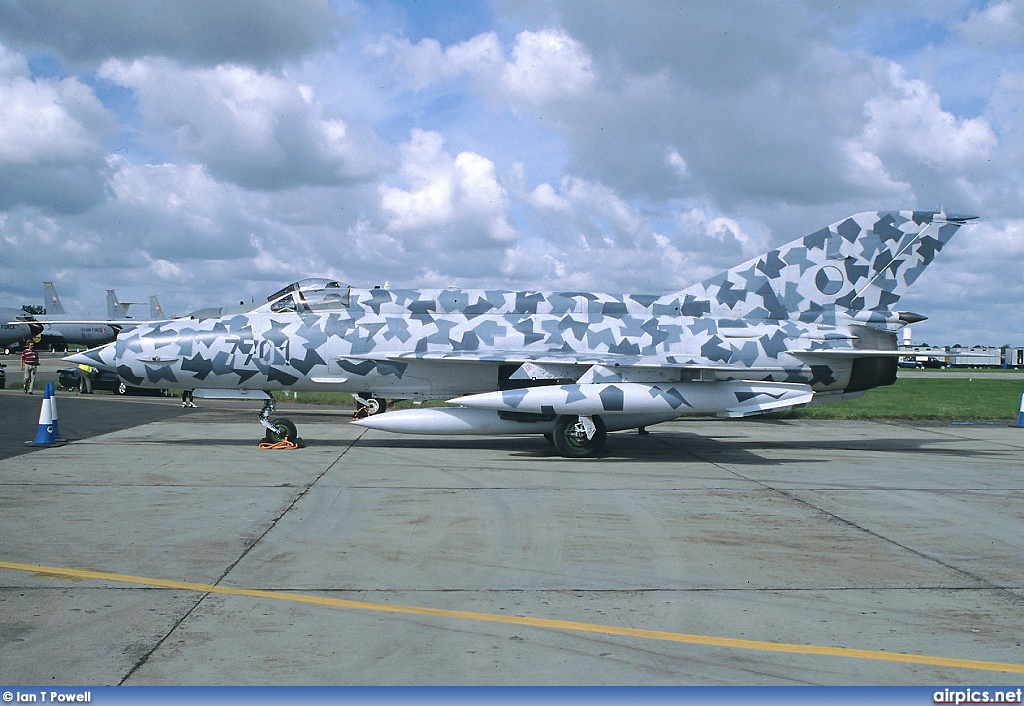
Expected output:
(376, 405)
(572, 443)
(284, 429)
(122, 388)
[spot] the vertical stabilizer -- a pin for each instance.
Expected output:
(114, 308)
(861, 264)
(51, 301)
(156, 312)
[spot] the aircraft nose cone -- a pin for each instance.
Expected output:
(102, 357)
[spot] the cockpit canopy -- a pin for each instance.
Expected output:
(309, 294)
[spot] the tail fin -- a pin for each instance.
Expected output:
(51, 300)
(113, 306)
(155, 310)
(862, 264)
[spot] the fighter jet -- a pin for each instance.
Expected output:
(117, 310)
(812, 321)
(156, 312)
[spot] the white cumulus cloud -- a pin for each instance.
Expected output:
(51, 139)
(257, 129)
(454, 200)
(907, 119)
(997, 24)
(547, 66)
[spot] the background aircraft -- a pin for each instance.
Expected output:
(58, 330)
(55, 328)
(12, 333)
(810, 321)
(117, 310)
(156, 312)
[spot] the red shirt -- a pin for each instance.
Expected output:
(29, 356)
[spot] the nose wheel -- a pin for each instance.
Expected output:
(279, 429)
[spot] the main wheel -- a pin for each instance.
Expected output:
(284, 429)
(376, 405)
(570, 437)
(122, 388)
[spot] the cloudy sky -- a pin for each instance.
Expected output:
(210, 153)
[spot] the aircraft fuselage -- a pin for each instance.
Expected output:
(422, 344)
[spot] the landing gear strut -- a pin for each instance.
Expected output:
(579, 437)
(279, 429)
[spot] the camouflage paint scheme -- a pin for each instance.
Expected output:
(816, 313)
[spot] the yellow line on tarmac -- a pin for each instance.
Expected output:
(81, 574)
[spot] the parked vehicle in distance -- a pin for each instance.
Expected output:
(68, 378)
(3, 376)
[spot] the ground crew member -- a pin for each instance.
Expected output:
(29, 363)
(85, 379)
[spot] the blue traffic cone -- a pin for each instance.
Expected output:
(44, 434)
(1020, 417)
(53, 411)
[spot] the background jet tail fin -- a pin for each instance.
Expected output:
(863, 263)
(114, 309)
(51, 301)
(155, 310)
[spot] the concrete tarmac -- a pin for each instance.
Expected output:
(79, 417)
(709, 552)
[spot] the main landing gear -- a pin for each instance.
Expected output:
(579, 436)
(367, 405)
(279, 429)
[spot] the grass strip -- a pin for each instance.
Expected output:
(968, 399)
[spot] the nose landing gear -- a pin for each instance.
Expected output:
(279, 429)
